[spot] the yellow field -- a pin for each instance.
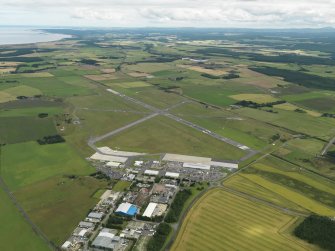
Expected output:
(291, 195)
(37, 75)
(258, 98)
(138, 74)
(312, 181)
(101, 77)
(5, 97)
(223, 221)
(7, 70)
(216, 72)
(245, 185)
(22, 90)
(291, 107)
(135, 84)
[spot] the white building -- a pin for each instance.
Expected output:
(172, 175)
(150, 210)
(151, 172)
(197, 166)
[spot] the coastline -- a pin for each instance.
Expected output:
(11, 36)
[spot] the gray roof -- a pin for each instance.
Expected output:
(95, 215)
(86, 224)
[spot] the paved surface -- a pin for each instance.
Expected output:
(165, 112)
(325, 149)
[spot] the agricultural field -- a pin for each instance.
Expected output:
(270, 91)
(223, 221)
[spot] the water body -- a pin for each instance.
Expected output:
(9, 35)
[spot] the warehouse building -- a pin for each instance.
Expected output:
(150, 209)
(106, 239)
(126, 209)
(172, 175)
(197, 166)
(151, 172)
(229, 165)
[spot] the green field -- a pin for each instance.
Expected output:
(121, 185)
(161, 135)
(222, 221)
(58, 204)
(20, 169)
(21, 129)
(15, 233)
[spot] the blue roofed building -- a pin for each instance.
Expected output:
(126, 209)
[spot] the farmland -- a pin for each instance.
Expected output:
(262, 100)
(221, 221)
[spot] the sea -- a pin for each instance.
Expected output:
(16, 35)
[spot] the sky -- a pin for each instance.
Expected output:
(170, 13)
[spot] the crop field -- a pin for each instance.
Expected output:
(60, 88)
(257, 98)
(310, 191)
(169, 136)
(15, 224)
(222, 221)
(247, 186)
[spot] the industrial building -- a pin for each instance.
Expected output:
(172, 175)
(197, 166)
(126, 209)
(151, 172)
(109, 158)
(113, 164)
(150, 210)
(95, 216)
(229, 165)
(106, 239)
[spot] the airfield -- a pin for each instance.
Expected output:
(209, 103)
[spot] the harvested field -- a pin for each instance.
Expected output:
(222, 221)
(216, 72)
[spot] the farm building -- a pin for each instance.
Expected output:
(106, 239)
(197, 166)
(151, 172)
(172, 175)
(126, 209)
(150, 209)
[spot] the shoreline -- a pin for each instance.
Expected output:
(27, 36)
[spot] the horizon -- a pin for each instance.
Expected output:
(174, 13)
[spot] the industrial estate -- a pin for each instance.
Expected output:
(168, 139)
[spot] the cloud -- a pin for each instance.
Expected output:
(216, 13)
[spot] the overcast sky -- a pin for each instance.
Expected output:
(170, 13)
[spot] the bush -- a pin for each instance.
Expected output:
(51, 140)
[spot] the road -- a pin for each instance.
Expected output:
(325, 149)
(165, 112)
